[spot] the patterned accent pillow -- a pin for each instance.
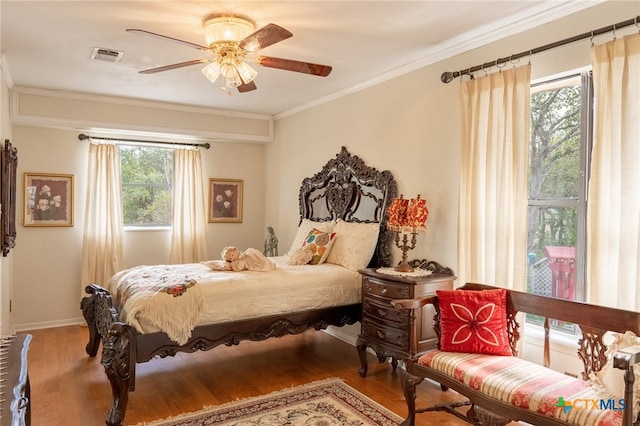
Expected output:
(320, 245)
(474, 321)
(303, 230)
(355, 244)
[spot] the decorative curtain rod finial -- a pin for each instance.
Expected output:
(447, 77)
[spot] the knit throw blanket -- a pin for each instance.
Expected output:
(168, 296)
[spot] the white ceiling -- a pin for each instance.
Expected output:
(48, 44)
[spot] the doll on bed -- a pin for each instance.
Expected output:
(249, 260)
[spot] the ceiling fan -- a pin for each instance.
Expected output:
(234, 41)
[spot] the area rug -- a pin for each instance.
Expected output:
(324, 403)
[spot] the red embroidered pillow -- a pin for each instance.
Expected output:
(474, 321)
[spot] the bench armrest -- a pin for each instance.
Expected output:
(624, 359)
(410, 304)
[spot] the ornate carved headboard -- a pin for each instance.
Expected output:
(346, 188)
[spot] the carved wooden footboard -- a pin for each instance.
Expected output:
(123, 347)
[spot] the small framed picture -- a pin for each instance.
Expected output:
(48, 199)
(225, 200)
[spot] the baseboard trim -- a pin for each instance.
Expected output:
(47, 324)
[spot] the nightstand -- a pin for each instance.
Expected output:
(386, 330)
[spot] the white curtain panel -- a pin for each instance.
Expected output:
(492, 217)
(103, 226)
(189, 227)
(613, 212)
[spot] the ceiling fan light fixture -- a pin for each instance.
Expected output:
(230, 74)
(225, 28)
(246, 72)
(212, 71)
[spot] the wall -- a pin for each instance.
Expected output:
(48, 259)
(409, 125)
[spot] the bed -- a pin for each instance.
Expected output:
(344, 194)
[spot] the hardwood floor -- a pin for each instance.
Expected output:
(69, 388)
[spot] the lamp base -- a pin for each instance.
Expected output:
(403, 267)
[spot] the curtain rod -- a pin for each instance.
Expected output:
(84, 137)
(448, 76)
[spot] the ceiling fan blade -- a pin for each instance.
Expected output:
(176, 40)
(291, 65)
(174, 66)
(247, 87)
(265, 36)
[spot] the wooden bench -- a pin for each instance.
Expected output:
(491, 407)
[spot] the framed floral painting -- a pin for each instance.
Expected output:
(48, 199)
(225, 200)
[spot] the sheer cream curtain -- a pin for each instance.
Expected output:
(613, 212)
(189, 227)
(492, 215)
(103, 227)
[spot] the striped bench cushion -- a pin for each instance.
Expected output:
(528, 386)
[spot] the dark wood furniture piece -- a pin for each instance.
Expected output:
(8, 197)
(593, 322)
(15, 404)
(346, 188)
(393, 333)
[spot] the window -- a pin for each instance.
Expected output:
(147, 175)
(559, 157)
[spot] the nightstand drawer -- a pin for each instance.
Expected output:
(377, 308)
(391, 336)
(391, 332)
(384, 289)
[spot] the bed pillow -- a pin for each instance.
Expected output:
(301, 256)
(320, 244)
(609, 381)
(303, 230)
(355, 244)
(474, 321)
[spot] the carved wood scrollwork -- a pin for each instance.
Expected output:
(432, 266)
(591, 350)
(346, 188)
(513, 332)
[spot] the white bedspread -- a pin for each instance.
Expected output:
(231, 296)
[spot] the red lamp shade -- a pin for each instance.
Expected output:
(397, 212)
(417, 214)
(407, 216)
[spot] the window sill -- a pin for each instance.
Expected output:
(146, 228)
(560, 341)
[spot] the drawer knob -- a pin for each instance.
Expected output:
(383, 290)
(382, 313)
(380, 334)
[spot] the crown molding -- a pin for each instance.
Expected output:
(542, 12)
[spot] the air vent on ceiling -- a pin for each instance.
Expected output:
(108, 55)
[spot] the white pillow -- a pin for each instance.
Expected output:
(301, 256)
(303, 230)
(354, 245)
(610, 380)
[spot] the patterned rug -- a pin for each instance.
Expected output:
(324, 403)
